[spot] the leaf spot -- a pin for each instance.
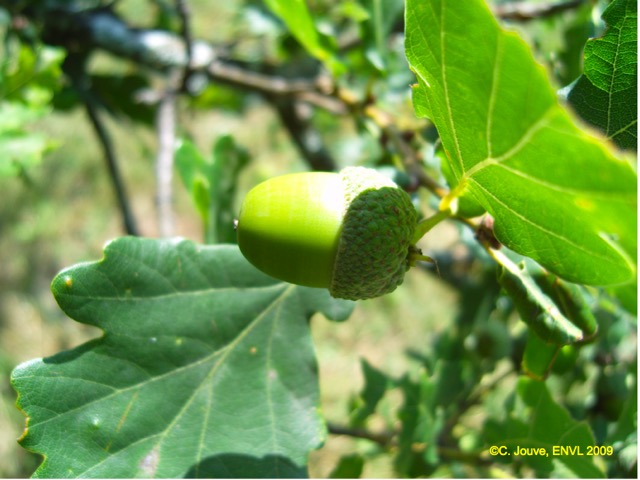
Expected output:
(68, 281)
(149, 463)
(253, 350)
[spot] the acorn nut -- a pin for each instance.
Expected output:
(350, 232)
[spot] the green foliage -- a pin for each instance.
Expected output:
(192, 335)
(212, 184)
(298, 19)
(20, 148)
(206, 367)
(535, 421)
(116, 94)
(376, 384)
(376, 29)
(349, 467)
(514, 149)
(606, 94)
(27, 85)
(556, 310)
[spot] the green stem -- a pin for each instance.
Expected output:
(427, 224)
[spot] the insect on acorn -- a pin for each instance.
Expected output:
(351, 232)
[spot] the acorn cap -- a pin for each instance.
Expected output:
(376, 236)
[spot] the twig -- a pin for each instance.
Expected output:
(185, 17)
(409, 158)
(112, 164)
(387, 440)
(165, 127)
(296, 119)
(307, 90)
(384, 439)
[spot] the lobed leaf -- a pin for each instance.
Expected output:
(376, 384)
(205, 369)
(557, 194)
(606, 94)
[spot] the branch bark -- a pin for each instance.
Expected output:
(165, 127)
(110, 158)
(185, 17)
(525, 11)
(297, 121)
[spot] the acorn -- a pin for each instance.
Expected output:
(350, 232)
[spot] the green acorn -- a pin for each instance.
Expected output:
(350, 232)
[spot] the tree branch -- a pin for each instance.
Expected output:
(308, 90)
(185, 17)
(165, 128)
(112, 165)
(387, 440)
(384, 439)
(164, 51)
(525, 11)
(297, 120)
(74, 67)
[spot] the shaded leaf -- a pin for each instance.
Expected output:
(538, 422)
(606, 94)
(557, 194)
(554, 309)
(350, 466)
(229, 159)
(116, 93)
(212, 184)
(376, 384)
(205, 368)
(421, 423)
(539, 356)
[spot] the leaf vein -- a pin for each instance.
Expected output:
(541, 228)
(539, 124)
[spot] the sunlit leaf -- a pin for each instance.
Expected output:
(557, 194)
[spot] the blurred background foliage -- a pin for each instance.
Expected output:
(450, 330)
